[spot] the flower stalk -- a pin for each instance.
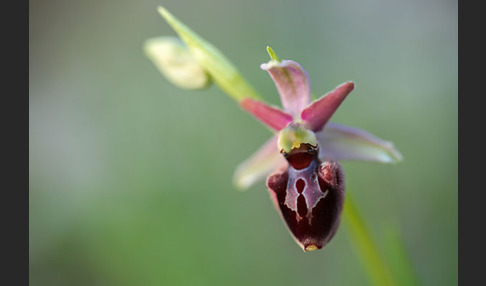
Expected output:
(370, 257)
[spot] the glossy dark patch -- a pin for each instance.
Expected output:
(300, 158)
(301, 206)
(300, 185)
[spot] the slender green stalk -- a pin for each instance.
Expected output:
(367, 250)
(396, 255)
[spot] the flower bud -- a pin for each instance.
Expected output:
(174, 60)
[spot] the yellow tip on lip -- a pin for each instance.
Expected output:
(311, 247)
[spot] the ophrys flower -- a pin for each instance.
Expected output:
(307, 183)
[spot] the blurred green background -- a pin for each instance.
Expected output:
(131, 177)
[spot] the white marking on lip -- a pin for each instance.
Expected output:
(309, 212)
(324, 195)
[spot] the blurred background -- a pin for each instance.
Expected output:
(131, 177)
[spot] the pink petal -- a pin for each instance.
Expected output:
(318, 113)
(292, 83)
(340, 142)
(270, 116)
(259, 165)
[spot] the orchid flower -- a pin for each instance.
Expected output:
(307, 183)
(305, 180)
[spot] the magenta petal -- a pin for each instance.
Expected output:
(292, 83)
(320, 111)
(270, 116)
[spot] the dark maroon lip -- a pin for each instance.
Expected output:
(309, 200)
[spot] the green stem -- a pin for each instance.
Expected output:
(397, 256)
(378, 272)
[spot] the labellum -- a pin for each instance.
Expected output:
(308, 193)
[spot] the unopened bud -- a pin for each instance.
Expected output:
(174, 60)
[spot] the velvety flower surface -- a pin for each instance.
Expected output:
(305, 180)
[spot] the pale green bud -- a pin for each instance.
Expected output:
(174, 60)
(220, 69)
